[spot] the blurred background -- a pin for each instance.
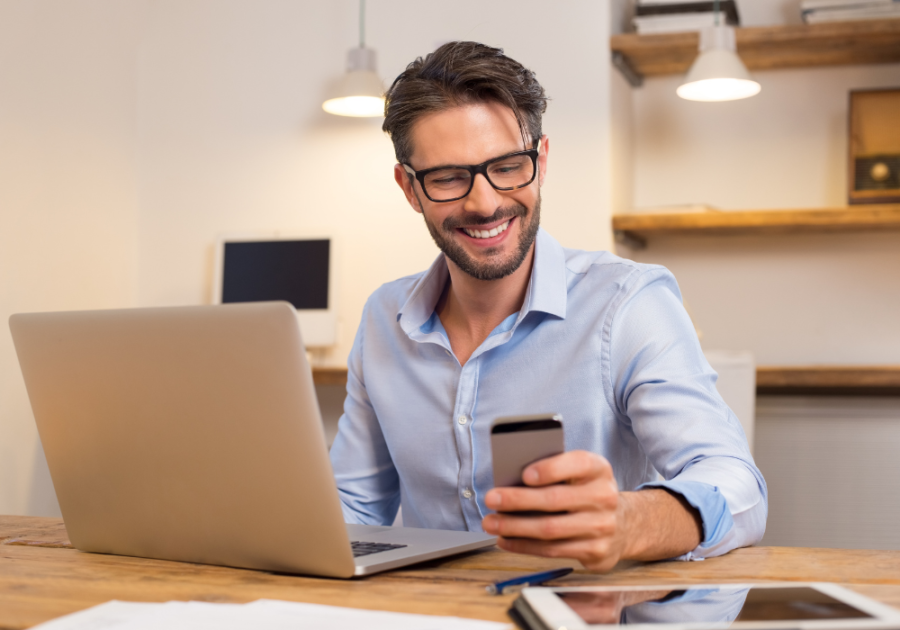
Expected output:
(135, 133)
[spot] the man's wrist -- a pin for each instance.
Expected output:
(631, 527)
(657, 524)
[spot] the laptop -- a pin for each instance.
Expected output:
(194, 434)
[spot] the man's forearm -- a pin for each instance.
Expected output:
(658, 525)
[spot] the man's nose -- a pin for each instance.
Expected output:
(483, 199)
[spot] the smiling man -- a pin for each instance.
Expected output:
(508, 322)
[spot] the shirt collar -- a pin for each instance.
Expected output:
(546, 292)
(419, 307)
(547, 289)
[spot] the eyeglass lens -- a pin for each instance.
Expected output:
(505, 174)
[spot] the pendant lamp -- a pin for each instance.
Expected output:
(718, 74)
(360, 92)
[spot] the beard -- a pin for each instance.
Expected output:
(494, 268)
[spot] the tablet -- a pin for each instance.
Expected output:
(794, 606)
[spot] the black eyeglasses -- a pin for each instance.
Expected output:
(504, 173)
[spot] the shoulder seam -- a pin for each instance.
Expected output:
(619, 262)
(628, 282)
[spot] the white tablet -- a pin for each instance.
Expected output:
(791, 606)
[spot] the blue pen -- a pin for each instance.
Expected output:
(532, 579)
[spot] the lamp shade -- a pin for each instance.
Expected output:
(717, 74)
(360, 92)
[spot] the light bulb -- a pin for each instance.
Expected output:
(358, 106)
(724, 89)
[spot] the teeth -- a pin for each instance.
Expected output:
(485, 233)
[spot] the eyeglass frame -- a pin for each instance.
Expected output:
(474, 170)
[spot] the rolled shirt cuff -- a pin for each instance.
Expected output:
(714, 512)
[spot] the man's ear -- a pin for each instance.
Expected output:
(542, 159)
(405, 181)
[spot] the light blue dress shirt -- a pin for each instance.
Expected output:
(602, 340)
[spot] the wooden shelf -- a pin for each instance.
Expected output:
(330, 376)
(820, 380)
(634, 229)
(770, 47)
(803, 380)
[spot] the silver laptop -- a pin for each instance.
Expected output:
(194, 434)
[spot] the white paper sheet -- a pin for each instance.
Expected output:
(261, 614)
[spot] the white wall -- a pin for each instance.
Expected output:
(784, 148)
(233, 137)
(832, 469)
(68, 196)
(133, 132)
(791, 300)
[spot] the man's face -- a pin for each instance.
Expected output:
(465, 135)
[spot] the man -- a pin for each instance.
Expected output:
(507, 322)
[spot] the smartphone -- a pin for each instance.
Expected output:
(518, 441)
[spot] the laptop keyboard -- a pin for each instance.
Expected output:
(366, 548)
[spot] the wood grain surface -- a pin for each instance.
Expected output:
(839, 380)
(880, 380)
(38, 583)
(770, 47)
(733, 222)
(335, 375)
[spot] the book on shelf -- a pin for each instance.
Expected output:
(872, 12)
(812, 5)
(677, 23)
(727, 7)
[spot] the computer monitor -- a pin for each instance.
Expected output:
(296, 270)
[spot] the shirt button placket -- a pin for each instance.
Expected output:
(465, 404)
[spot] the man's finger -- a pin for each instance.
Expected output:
(596, 555)
(555, 527)
(601, 494)
(571, 466)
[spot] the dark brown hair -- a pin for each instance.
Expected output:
(460, 73)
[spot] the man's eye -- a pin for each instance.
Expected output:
(506, 168)
(448, 178)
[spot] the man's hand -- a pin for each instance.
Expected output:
(589, 520)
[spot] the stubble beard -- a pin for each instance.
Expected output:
(491, 269)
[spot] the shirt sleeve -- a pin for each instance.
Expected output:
(367, 481)
(666, 391)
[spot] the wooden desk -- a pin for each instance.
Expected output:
(798, 380)
(41, 577)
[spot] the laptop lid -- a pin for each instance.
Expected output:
(187, 433)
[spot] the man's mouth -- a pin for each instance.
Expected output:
(487, 233)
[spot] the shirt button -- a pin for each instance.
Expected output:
(462, 419)
(467, 493)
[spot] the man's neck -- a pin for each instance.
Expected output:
(470, 308)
